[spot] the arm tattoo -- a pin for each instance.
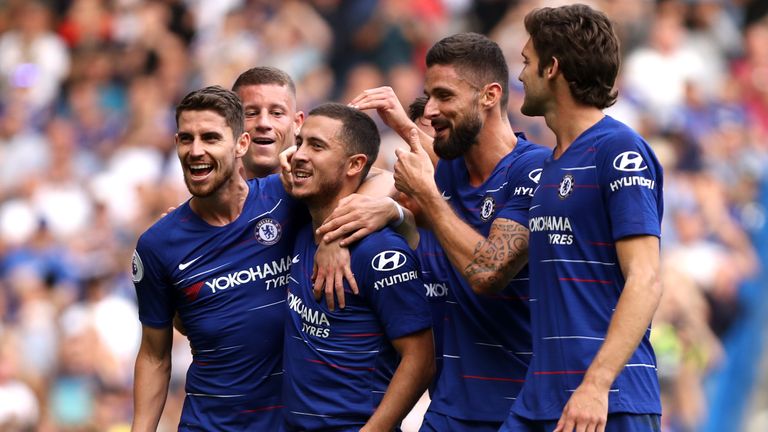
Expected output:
(500, 256)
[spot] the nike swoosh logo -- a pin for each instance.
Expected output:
(445, 197)
(295, 259)
(183, 266)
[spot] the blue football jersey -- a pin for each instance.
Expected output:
(436, 277)
(486, 338)
(606, 186)
(228, 285)
(338, 363)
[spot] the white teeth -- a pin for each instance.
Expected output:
(301, 174)
(200, 166)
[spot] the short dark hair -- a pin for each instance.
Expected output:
(477, 58)
(264, 75)
(215, 98)
(359, 133)
(586, 48)
(416, 108)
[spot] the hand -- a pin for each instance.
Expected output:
(586, 410)
(170, 209)
(332, 266)
(414, 173)
(355, 217)
(385, 102)
(285, 167)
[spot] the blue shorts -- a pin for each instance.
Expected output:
(436, 422)
(620, 422)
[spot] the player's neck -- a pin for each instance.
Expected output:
(568, 121)
(495, 140)
(323, 205)
(225, 205)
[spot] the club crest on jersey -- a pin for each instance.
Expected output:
(137, 267)
(487, 208)
(268, 231)
(566, 187)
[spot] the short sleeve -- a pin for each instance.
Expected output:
(393, 286)
(154, 295)
(631, 180)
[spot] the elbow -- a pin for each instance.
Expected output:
(486, 286)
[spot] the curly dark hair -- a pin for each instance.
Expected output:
(585, 45)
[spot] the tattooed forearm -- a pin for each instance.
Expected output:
(498, 258)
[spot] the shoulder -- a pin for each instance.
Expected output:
(614, 136)
(619, 146)
(526, 159)
(162, 231)
(377, 244)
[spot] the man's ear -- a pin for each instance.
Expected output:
(356, 164)
(491, 95)
(241, 146)
(298, 120)
(552, 68)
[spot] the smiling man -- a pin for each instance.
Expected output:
(221, 260)
(269, 99)
(478, 198)
(365, 366)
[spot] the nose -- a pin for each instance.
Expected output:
(300, 155)
(263, 121)
(430, 109)
(196, 148)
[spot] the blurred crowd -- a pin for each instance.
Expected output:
(87, 162)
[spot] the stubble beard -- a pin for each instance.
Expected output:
(206, 191)
(460, 139)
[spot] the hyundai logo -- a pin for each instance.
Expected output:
(388, 260)
(535, 175)
(629, 161)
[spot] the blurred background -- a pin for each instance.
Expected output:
(87, 162)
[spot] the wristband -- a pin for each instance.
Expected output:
(400, 214)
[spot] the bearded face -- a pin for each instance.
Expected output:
(459, 137)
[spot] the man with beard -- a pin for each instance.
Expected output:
(204, 260)
(222, 261)
(594, 243)
(477, 199)
(268, 95)
(363, 367)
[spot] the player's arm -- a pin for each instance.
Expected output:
(488, 264)
(639, 260)
(152, 373)
(411, 379)
(391, 111)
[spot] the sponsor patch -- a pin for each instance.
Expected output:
(535, 175)
(388, 260)
(137, 267)
(629, 161)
